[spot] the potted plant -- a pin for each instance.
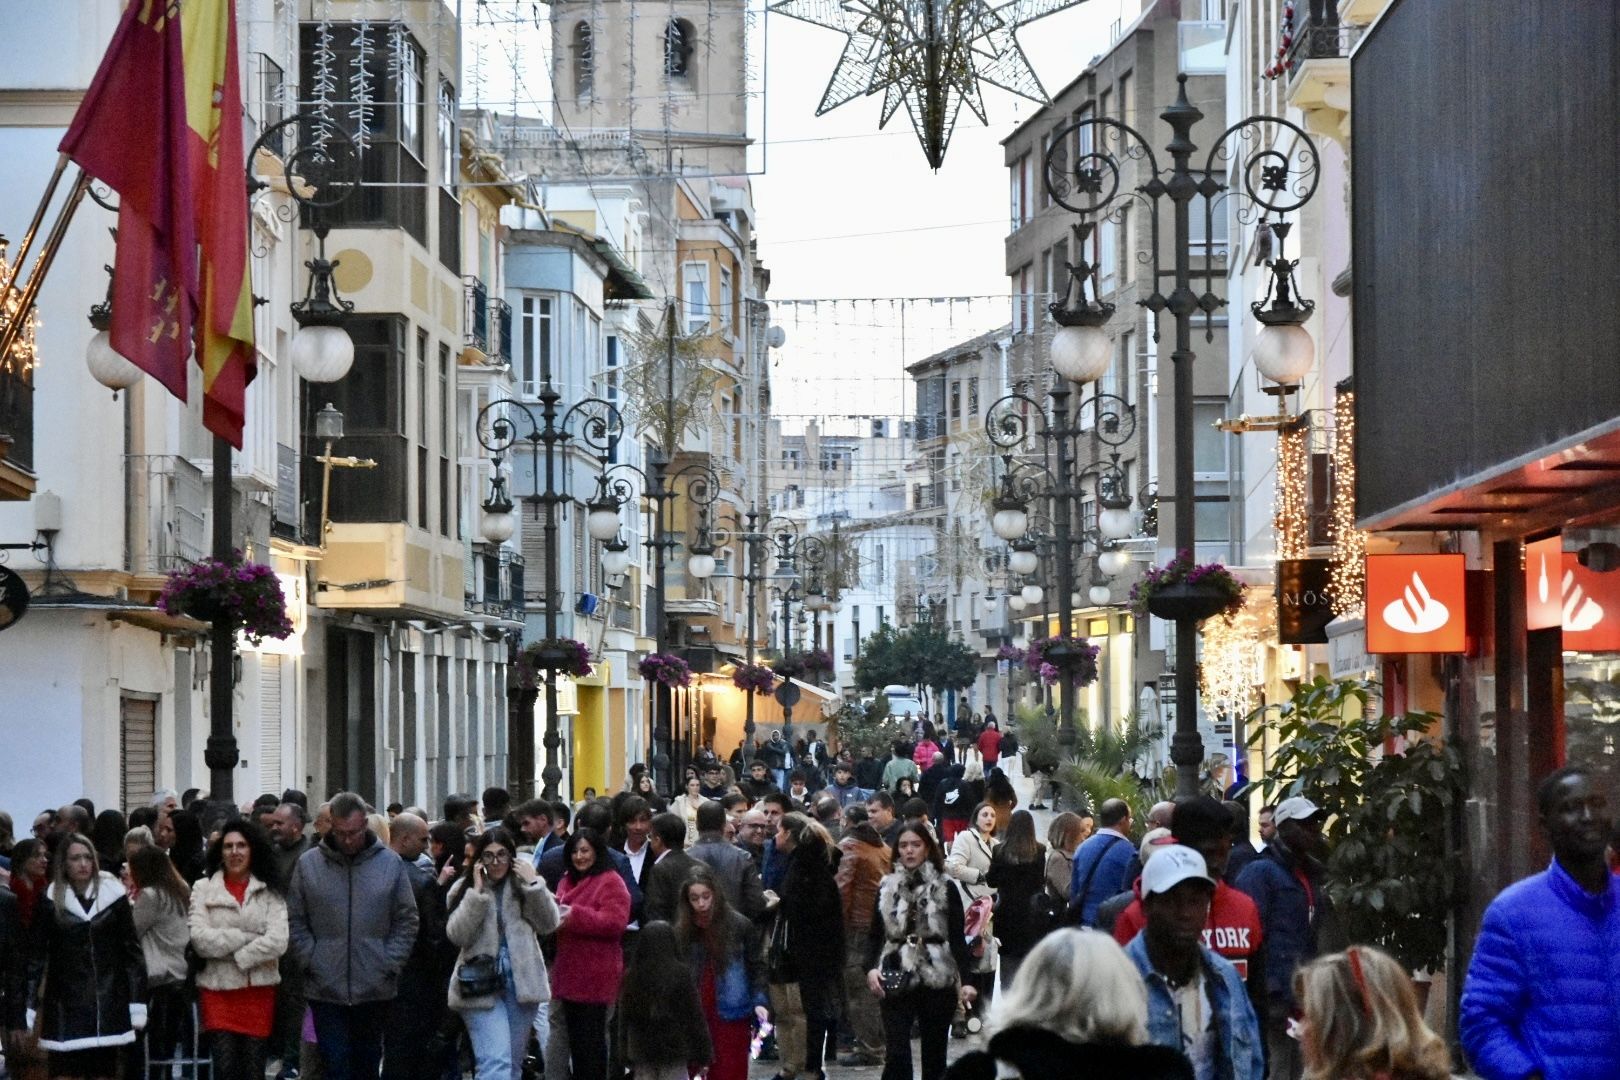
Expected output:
(246, 596)
(1063, 657)
(560, 654)
(1183, 588)
(753, 678)
(789, 665)
(818, 661)
(665, 669)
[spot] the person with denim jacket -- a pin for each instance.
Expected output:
(1196, 1000)
(728, 966)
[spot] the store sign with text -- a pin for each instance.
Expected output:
(1416, 604)
(1304, 606)
(1559, 591)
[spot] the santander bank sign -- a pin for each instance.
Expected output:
(1559, 591)
(1416, 604)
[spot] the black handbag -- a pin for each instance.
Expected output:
(479, 976)
(893, 978)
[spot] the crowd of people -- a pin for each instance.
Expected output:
(786, 912)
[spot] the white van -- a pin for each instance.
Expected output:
(902, 702)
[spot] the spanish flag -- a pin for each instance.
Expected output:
(162, 126)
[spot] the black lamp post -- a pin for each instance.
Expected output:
(600, 427)
(1278, 170)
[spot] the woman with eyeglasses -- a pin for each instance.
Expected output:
(239, 928)
(91, 998)
(498, 908)
(592, 914)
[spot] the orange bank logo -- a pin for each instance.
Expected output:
(1416, 604)
(1559, 591)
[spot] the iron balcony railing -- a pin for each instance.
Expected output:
(477, 313)
(167, 500)
(495, 584)
(500, 326)
(1320, 35)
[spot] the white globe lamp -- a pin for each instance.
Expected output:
(1010, 522)
(615, 560)
(1115, 524)
(602, 520)
(107, 366)
(1284, 353)
(497, 526)
(1113, 562)
(1081, 354)
(1032, 594)
(322, 354)
(1022, 560)
(1100, 595)
(700, 565)
(1015, 602)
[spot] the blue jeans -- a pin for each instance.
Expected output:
(500, 1035)
(349, 1038)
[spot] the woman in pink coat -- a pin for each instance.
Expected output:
(923, 753)
(593, 911)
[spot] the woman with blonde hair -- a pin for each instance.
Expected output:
(1362, 1022)
(1076, 1008)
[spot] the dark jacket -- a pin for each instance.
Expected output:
(286, 859)
(1016, 884)
(955, 798)
(932, 777)
(664, 886)
(869, 773)
(1289, 917)
(774, 754)
(1243, 853)
(353, 922)
(1543, 987)
(91, 966)
(814, 918)
(14, 957)
(734, 869)
(432, 956)
(1037, 1053)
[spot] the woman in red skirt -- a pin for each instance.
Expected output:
(729, 967)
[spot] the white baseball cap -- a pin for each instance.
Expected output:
(1299, 808)
(1170, 865)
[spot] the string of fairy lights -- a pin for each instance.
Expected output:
(1348, 578)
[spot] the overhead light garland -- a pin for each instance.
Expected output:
(928, 55)
(1231, 666)
(1347, 580)
(1291, 520)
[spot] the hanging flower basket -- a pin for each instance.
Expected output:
(666, 669)
(560, 654)
(753, 678)
(818, 661)
(1055, 659)
(245, 596)
(1010, 653)
(1183, 589)
(789, 665)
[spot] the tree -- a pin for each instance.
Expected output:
(882, 661)
(1387, 869)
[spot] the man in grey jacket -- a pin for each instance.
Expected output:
(733, 868)
(351, 915)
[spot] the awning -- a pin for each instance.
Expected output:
(623, 283)
(146, 616)
(826, 700)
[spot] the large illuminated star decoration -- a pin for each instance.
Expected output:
(929, 55)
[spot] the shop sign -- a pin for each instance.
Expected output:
(13, 598)
(1559, 591)
(1347, 649)
(1543, 584)
(1416, 604)
(1304, 607)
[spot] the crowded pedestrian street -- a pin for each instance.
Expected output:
(792, 539)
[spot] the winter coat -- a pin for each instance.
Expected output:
(917, 926)
(739, 980)
(865, 861)
(664, 883)
(352, 921)
(242, 943)
(527, 910)
(1036, 1054)
(13, 964)
(774, 754)
(1542, 993)
(160, 926)
(969, 863)
(93, 973)
(814, 918)
(898, 769)
(853, 795)
(922, 755)
(955, 798)
(1102, 858)
(1239, 1048)
(1016, 884)
(590, 958)
(1289, 915)
(990, 746)
(735, 872)
(1059, 872)
(869, 773)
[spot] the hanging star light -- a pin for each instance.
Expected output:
(928, 55)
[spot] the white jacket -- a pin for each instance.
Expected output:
(241, 943)
(969, 864)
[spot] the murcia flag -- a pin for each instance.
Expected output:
(162, 126)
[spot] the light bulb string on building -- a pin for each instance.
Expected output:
(1347, 581)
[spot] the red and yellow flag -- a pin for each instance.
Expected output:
(130, 133)
(225, 346)
(162, 126)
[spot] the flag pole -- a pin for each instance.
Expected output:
(47, 255)
(33, 226)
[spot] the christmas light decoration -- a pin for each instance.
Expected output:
(1347, 580)
(1290, 520)
(21, 358)
(1231, 667)
(928, 55)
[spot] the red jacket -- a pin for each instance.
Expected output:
(590, 958)
(990, 745)
(1233, 929)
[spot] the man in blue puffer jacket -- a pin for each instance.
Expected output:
(1542, 997)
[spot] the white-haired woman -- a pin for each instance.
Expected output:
(1077, 1008)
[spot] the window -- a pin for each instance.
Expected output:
(1107, 255)
(447, 134)
(678, 40)
(725, 299)
(611, 355)
(1127, 107)
(410, 95)
(448, 526)
(272, 98)
(584, 50)
(695, 277)
(1209, 443)
(973, 396)
(1023, 301)
(1105, 101)
(1015, 184)
(956, 399)
(1084, 138)
(421, 429)
(1126, 381)
(1211, 233)
(1212, 519)
(536, 328)
(1127, 247)
(1046, 148)
(1059, 271)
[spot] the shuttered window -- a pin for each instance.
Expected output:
(137, 746)
(270, 723)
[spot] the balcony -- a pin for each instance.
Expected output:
(500, 326)
(17, 477)
(476, 298)
(167, 498)
(494, 579)
(1318, 64)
